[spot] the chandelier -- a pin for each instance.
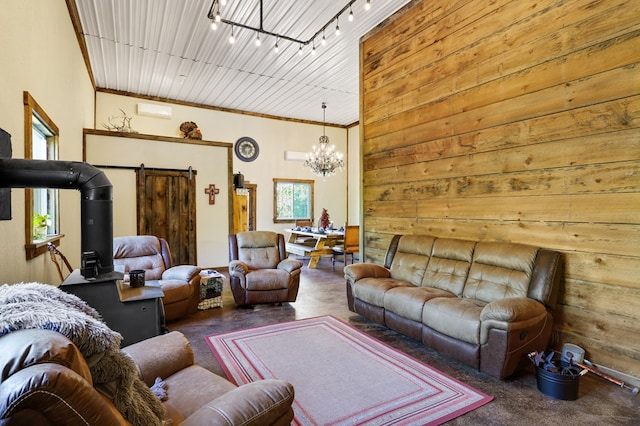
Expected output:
(324, 160)
(216, 19)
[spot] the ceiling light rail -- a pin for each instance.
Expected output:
(215, 18)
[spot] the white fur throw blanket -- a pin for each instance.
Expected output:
(41, 306)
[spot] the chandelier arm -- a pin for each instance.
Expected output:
(261, 30)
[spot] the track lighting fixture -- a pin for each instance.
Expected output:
(214, 16)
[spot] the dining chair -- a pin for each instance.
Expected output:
(350, 246)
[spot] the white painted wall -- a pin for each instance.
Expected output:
(274, 137)
(354, 176)
(40, 54)
(209, 162)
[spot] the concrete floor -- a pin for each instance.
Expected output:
(517, 400)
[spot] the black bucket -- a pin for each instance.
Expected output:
(558, 386)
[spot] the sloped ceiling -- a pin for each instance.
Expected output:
(167, 49)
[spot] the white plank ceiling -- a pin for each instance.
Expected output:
(167, 49)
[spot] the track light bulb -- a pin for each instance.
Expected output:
(337, 28)
(367, 5)
(324, 39)
(313, 51)
(300, 50)
(232, 38)
(350, 14)
(214, 26)
(258, 42)
(276, 49)
(223, 2)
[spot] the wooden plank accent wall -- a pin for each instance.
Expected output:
(515, 121)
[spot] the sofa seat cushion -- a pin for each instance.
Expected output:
(408, 302)
(372, 290)
(267, 280)
(174, 290)
(458, 318)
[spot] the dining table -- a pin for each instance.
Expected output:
(313, 243)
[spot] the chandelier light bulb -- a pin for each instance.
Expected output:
(367, 5)
(218, 17)
(223, 2)
(214, 25)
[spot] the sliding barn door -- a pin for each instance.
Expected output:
(167, 209)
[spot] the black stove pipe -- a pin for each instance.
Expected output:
(96, 208)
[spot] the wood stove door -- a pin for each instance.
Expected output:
(167, 209)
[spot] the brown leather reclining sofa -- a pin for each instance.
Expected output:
(487, 304)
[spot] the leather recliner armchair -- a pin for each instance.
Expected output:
(180, 284)
(259, 269)
(44, 380)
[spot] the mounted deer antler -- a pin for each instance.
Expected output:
(124, 126)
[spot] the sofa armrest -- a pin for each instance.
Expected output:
(512, 309)
(290, 265)
(358, 271)
(160, 356)
(181, 272)
(264, 402)
(509, 314)
(238, 268)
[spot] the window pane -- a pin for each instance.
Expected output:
(293, 200)
(301, 201)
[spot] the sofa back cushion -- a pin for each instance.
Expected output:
(500, 270)
(139, 252)
(411, 258)
(449, 265)
(258, 249)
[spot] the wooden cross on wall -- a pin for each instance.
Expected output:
(211, 190)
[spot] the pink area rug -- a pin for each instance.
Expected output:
(342, 376)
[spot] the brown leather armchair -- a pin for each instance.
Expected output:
(44, 380)
(259, 269)
(180, 284)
